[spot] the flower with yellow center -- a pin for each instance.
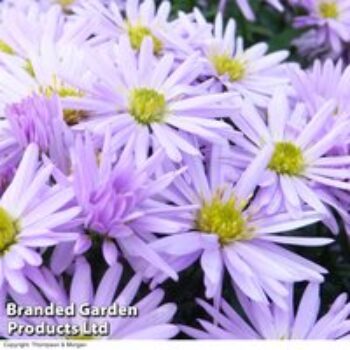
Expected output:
(287, 159)
(329, 9)
(8, 231)
(147, 106)
(223, 218)
(234, 68)
(138, 33)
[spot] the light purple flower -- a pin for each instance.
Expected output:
(155, 104)
(153, 320)
(47, 58)
(119, 207)
(33, 215)
(301, 158)
(330, 20)
(36, 119)
(250, 72)
(320, 83)
(229, 232)
(140, 19)
(273, 322)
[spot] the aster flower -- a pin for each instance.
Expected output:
(320, 83)
(153, 320)
(32, 215)
(250, 72)
(229, 232)
(141, 20)
(119, 207)
(330, 19)
(301, 158)
(46, 57)
(272, 322)
(156, 104)
(36, 119)
(246, 9)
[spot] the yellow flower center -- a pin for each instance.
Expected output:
(287, 159)
(234, 68)
(147, 106)
(223, 218)
(136, 35)
(8, 231)
(4, 47)
(329, 9)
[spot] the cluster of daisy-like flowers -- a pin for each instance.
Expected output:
(129, 139)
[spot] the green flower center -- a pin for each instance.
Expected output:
(223, 218)
(8, 231)
(234, 68)
(147, 106)
(136, 35)
(329, 9)
(4, 47)
(287, 159)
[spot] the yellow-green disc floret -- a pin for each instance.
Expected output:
(147, 106)
(329, 9)
(234, 68)
(138, 33)
(223, 218)
(287, 159)
(8, 231)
